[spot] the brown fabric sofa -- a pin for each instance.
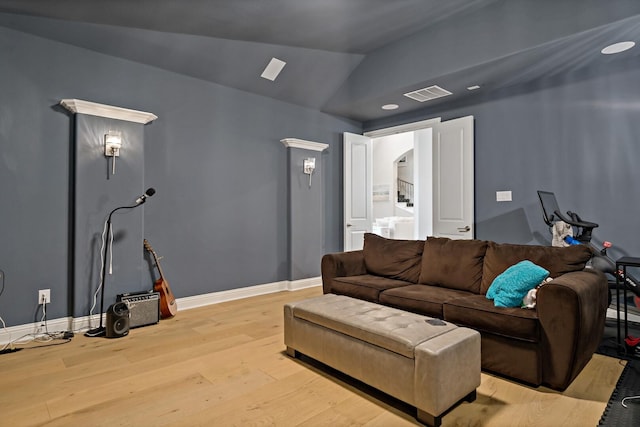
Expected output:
(448, 279)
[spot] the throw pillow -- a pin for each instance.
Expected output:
(454, 264)
(509, 288)
(392, 258)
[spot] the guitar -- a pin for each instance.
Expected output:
(168, 305)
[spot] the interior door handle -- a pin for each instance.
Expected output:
(464, 229)
(349, 225)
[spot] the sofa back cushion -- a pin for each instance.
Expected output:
(556, 260)
(453, 264)
(396, 259)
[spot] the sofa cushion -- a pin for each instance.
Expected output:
(422, 299)
(366, 286)
(477, 312)
(396, 259)
(453, 264)
(556, 260)
(510, 287)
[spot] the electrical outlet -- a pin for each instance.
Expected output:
(44, 295)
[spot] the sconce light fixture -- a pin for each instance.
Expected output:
(308, 167)
(112, 145)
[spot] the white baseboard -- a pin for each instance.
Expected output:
(16, 332)
(79, 324)
(233, 294)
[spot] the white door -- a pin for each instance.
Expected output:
(453, 179)
(358, 189)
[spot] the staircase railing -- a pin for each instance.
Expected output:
(405, 192)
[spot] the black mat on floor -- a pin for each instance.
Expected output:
(615, 414)
(628, 386)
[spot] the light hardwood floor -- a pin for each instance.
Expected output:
(224, 365)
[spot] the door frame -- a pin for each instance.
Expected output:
(408, 127)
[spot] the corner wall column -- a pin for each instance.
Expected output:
(96, 190)
(305, 205)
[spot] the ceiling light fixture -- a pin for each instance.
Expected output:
(390, 107)
(617, 48)
(272, 69)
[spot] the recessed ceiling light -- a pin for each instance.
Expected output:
(474, 87)
(617, 48)
(390, 107)
(272, 69)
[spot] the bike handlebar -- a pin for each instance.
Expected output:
(575, 221)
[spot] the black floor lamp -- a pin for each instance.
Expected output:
(100, 331)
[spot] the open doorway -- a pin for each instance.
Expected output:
(442, 186)
(393, 186)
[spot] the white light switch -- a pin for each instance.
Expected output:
(503, 196)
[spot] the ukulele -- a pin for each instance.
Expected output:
(168, 305)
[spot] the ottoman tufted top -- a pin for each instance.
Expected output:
(395, 330)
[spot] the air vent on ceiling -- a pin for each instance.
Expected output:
(428, 93)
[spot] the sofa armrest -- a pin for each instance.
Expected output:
(341, 264)
(572, 312)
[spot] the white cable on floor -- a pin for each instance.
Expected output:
(629, 398)
(4, 326)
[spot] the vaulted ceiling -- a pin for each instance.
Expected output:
(344, 57)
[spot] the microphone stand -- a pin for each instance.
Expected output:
(101, 331)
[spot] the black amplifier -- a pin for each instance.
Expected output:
(144, 308)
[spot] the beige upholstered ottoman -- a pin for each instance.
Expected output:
(425, 362)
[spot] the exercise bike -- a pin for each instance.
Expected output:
(582, 236)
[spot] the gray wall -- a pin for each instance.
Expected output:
(306, 213)
(576, 135)
(219, 217)
(96, 192)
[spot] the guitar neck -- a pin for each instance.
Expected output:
(155, 258)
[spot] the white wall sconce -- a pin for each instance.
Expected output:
(309, 165)
(112, 146)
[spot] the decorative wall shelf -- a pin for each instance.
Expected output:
(109, 111)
